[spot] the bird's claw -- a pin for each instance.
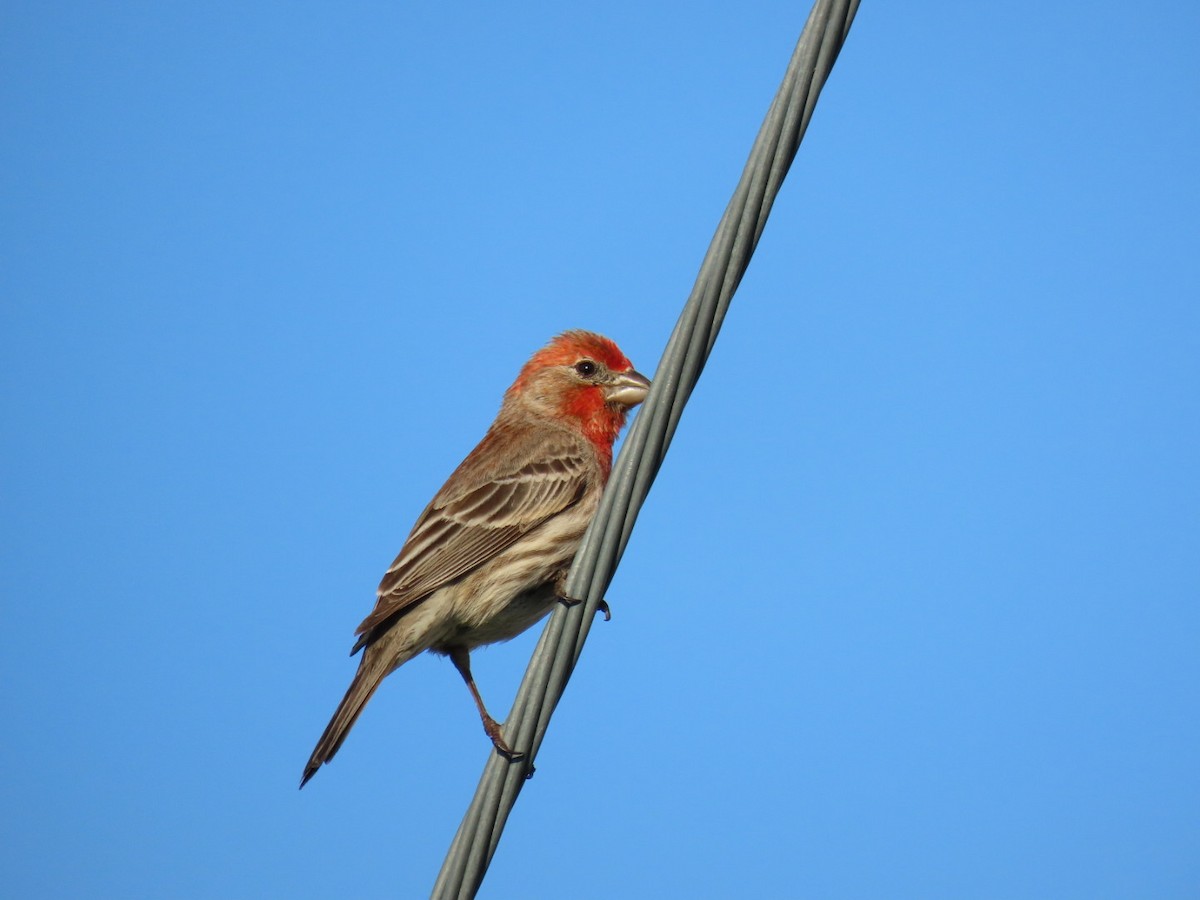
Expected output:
(511, 755)
(492, 727)
(601, 606)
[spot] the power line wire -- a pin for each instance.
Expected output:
(728, 255)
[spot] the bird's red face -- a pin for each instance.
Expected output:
(584, 377)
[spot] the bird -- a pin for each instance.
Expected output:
(490, 554)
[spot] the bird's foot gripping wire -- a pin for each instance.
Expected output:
(492, 727)
(602, 606)
(461, 657)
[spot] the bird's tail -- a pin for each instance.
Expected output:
(365, 682)
(388, 646)
(370, 675)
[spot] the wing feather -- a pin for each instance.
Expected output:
(482, 510)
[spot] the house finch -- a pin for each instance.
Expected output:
(490, 555)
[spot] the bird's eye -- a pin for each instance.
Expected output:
(586, 368)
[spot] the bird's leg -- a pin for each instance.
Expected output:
(461, 657)
(560, 591)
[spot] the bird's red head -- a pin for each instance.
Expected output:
(583, 378)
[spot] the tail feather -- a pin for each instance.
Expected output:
(385, 653)
(369, 676)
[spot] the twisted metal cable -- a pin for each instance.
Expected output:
(646, 445)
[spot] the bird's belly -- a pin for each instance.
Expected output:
(503, 598)
(521, 612)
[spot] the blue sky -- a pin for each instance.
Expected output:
(913, 609)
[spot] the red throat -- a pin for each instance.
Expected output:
(599, 422)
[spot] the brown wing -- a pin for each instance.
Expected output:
(479, 512)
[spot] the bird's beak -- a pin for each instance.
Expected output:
(627, 389)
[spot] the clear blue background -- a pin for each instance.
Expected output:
(914, 607)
